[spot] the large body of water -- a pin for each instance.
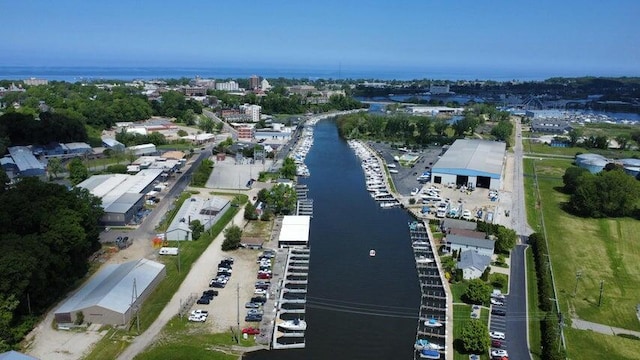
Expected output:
(80, 73)
(359, 307)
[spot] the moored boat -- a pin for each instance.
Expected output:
(295, 324)
(432, 323)
(372, 253)
(429, 354)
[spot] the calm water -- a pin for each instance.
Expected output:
(359, 307)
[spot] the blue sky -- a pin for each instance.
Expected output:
(573, 37)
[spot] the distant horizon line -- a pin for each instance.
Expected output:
(365, 72)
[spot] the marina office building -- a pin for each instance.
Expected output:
(477, 163)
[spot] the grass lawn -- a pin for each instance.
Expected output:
(529, 146)
(535, 337)
(460, 318)
(589, 345)
(189, 341)
(603, 250)
(457, 290)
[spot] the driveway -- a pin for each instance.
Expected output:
(516, 306)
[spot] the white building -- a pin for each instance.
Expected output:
(207, 211)
(294, 231)
(264, 85)
(144, 149)
(478, 163)
(252, 110)
(439, 89)
(473, 264)
(228, 86)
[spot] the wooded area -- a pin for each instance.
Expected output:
(48, 234)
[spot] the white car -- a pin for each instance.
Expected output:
(198, 318)
(260, 292)
(499, 353)
(496, 302)
(200, 312)
(497, 335)
(466, 214)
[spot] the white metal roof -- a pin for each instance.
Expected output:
(111, 188)
(473, 157)
(24, 159)
(112, 287)
(295, 228)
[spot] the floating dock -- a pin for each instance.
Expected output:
(433, 302)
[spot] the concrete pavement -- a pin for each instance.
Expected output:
(601, 328)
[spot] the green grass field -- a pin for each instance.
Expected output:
(460, 317)
(535, 336)
(602, 249)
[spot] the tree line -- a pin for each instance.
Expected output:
(48, 234)
(610, 193)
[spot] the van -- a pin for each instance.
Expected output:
(168, 251)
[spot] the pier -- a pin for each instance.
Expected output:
(433, 324)
(293, 284)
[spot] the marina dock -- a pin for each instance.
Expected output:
(433, 322)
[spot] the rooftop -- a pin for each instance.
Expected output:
(475, 157)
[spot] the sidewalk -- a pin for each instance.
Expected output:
(601, 328)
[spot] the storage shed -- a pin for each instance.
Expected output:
(477, 163)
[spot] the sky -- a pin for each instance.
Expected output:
(557, 37)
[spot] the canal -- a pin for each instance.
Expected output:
(358, 307)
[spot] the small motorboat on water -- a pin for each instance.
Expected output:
(429, 354)
(372, 253)
(296, 324)
(423, 260)
(432, 323)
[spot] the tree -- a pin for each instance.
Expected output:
(623, 140)
(55, 166)
(506, 239)
(571, 178)
(288, 169)
(4, 180)
(182, 133)
(206, 124)
(478, 292)
(117, 169)
(609, 193)
(475, 337)
(502, 131)
(574, 135)
(78, 172)
(250, 212)
(232, 237)
(197, 228)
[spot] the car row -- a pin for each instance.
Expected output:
(498, 326)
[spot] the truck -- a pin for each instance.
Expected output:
(168, 251)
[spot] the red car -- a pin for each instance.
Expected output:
(251, 331)
(496, 343)
(264, 276)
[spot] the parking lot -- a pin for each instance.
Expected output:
(498, 322)
(229, 174)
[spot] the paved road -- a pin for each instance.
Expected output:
(517, 338)
(519, 213)
(225, 128)
(601, 328)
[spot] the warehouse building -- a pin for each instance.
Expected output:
(113, 295)
(294, 231)
(207, 211)
(21, 162)
(122, 195)
(474, 163)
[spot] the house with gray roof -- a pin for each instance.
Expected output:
(21, 162)
(462, 243)
(472, 264)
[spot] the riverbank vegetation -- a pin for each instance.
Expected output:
(421, 130)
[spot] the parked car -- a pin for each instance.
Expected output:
(496, 302)
(259, 299)
(497, 335)
(498, 312)
(210, 293)
(260, 292)
(253, 318)
(255, 312)
(252, 305)
(217, 284)
(264, 276)
(251, 331)
(496, 343)
(197, 318)
(205, 300)
(200, 312)
(262, 286)
(499, 353)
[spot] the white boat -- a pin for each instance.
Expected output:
(426, 344)
(432, 323)
(296, 325)
(372, 253)
(423, 260)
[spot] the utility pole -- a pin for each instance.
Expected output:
(601, 290)
(238, 308)
(578, 276)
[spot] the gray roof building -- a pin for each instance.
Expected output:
(23, 162)
(479, 162)
(109, 297)
(473, 264)
(462, 243)
(450, 223)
